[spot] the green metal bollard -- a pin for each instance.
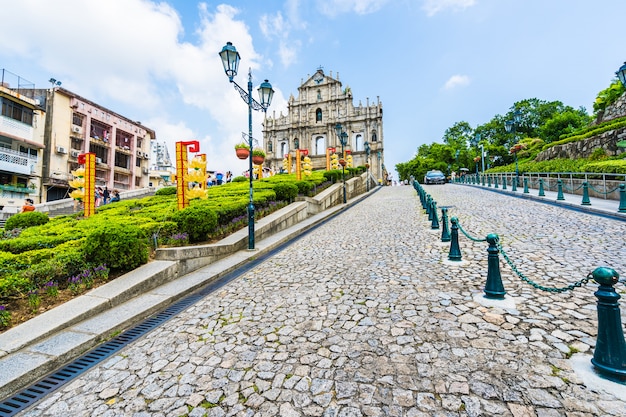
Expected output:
(514, 184)
(622, 198)
(525, 185)
(483, 180)
(586, 201)
(455, 250)
(435, 221)
(559, 193)
(495, 182)
(429, 208)
(493, 286)
(488, 180)
(541, 191)
(504, 183)
(445, 231)
(609, 356)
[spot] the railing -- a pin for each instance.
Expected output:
(601, 185)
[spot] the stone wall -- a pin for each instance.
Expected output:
(584, 148)
(617, 109)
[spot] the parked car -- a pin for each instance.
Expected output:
(434, 177)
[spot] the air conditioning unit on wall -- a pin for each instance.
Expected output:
(77, 129)
(61, 149)
(98, 160)
(74, 154)
(146, 171)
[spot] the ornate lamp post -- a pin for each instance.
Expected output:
(511, 126)
(368, 150)
(230, 60)
(343, 139)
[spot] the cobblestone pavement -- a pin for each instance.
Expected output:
(365, 317)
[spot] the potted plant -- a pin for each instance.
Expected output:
(242, 150)
(258, 156)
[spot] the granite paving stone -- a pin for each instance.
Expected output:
(364, 316)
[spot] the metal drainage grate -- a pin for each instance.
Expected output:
(29, 396)
(54, 381)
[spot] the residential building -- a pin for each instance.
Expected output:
(21, 142)
(76, 125)
(311, 120)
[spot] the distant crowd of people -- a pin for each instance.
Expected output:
(104, 196)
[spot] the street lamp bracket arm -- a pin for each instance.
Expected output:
(247, 99)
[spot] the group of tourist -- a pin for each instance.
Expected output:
(104, 196)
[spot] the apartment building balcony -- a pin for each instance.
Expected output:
(16, 162)
(17, 130)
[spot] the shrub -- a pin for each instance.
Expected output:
(304, 187)
(24, 220)
(197, 221)
(119, 246)
(240, 178)
(286, 191)
(166, 191)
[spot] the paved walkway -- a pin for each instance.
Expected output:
(364, 316)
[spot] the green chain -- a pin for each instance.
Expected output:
(603, 192)
(541, 287)
(572, 189)
(468, 236)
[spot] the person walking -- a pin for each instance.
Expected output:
(106, 195)
(28, 206)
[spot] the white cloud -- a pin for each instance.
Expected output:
(128, 56)
(334, 8)
(456, 81)
(432, 7)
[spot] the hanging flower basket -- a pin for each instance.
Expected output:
(258, 156)
(342, 162)
(242, 153)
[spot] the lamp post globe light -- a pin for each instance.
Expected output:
(230, 60)
(621, 74)
(343, 139)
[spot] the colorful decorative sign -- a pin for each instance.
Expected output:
(182, 168)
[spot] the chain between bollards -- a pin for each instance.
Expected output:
(570, 287)
(468, 236)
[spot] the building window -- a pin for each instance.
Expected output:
(17, 112)
(122, 160)
(284, 148)
(100, 131)
(100, 151)
(358, 142)
(77, 119)
(374, 137)
(269, 146)
(318, 115)
(320, 145)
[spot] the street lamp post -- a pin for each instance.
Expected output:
(511, 126)
(367, 165)
(230, 59)
(343, 138)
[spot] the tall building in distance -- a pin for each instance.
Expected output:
(311, 120)
(22, 122)
(162, 172)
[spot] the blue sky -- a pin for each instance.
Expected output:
(432, 63)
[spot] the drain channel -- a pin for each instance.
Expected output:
(29, 396)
